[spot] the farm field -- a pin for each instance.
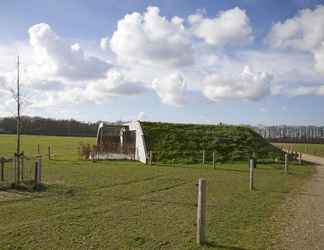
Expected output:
(128, 205)
(312, 149)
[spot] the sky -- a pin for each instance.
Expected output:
(198, 61)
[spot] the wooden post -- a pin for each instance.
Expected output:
(40, 170)
(2, 169)
(252, 164)
(37, 173)
(214, 159)
(151, 157)
(201, 212)
(14, 169)
(286, 163)
(203, 157)
(300, 159)
(22, 167)
(49, 152)
(38, 149)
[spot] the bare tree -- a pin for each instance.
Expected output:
(21, 101)
(18, 153)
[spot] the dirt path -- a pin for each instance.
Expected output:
(305, 229)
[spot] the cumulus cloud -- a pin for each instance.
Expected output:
(302, 32)
(228, 27)
(47, 85)
(54, 56)
(307, 90)
(114, 84)
(319, 58)
(247, 85)
(104, 43)
(171, 89)
(152, 39)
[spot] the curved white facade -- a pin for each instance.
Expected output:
(140, 146)
(141, 153)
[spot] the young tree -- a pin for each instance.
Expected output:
(18, 153)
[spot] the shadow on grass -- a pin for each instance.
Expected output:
(24, 186)
(212, 244)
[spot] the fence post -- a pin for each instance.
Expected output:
(38, 149)
(49, 152)
(151, 157)
(203, 157)
(286, 163)
(252, 166)
(2, 169)
(37, 173)
(14, 165)
(201, 212)
(40, 170)
(22, 167)
(213, 159)
(300, 159)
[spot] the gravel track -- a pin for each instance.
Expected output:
(305, 227)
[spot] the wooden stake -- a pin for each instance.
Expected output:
(40, 170)
(38, 149)
(37, 173)
(2, 169)
(300, 159)
(213, 159)
(203, 157)
(14, 165)
(49, 152)
(286, 163)
(22, 168)
(252, 163)
(201, 212)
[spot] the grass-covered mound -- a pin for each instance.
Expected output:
(185, 142)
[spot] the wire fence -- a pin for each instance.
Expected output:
(208, 156)
(19, 170)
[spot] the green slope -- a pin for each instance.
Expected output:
(186, 142)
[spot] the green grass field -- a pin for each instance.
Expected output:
(313, 149)
(127, 205)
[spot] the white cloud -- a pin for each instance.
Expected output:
(307, 90)
(53, 56)
(114, 84)
(228, 27)
(104, 43)
(319, 58)
(47, 85)
(302, 32)
(171, 89)
(152, 39)
(247, 85)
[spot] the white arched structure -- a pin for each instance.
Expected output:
(141, 153)
(140, 146)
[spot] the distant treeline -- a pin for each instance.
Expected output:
(47, 126)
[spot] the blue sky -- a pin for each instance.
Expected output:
(248, 61)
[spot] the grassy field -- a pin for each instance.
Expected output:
(313, 149)
(127, 205)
